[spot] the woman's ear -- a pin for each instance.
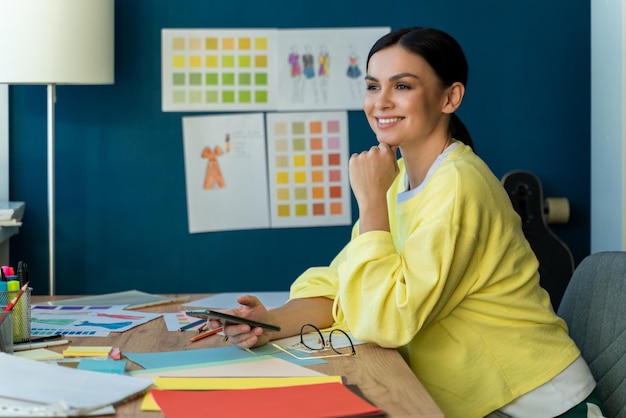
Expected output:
(454, 97)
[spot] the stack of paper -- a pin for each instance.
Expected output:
(11, 213)
(29, 385)
(230, 383)
(306, 401)
(276, 386)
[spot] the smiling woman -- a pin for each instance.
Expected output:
(438, 265)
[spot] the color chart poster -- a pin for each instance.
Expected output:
(226, 172)
(324, 69)
(308, 169)
(218, 69)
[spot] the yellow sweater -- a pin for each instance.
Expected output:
(455, 287)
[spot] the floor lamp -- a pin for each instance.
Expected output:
(54, 42)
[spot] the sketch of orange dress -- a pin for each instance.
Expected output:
(213, 173)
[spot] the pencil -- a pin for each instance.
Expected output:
(206, 334)
(11, 304)
(16, 298)
(191, 325)
(203, 328)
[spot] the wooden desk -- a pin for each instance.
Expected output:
(381, 374)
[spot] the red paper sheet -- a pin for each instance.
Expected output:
(306, 401)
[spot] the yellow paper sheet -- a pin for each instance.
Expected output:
(39, 354)
(225, 383)
(87, 351)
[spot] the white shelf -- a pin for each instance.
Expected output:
(7, 232)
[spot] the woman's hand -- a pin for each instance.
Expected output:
(243, 335)
(371, 174)
(289, 316)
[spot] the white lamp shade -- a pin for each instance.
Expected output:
(57, 41)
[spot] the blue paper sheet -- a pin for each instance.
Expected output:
(186, 357)
(208, 355)
(103, 365)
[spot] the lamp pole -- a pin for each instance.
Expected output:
(51, 222)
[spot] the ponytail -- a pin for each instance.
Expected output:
(459, 132)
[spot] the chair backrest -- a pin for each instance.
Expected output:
(594, 308)
(556, 262)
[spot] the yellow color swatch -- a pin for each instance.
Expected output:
(283, 211)
(245, 44)
(260, 61)
(299, 160)
(299, 177)
(211, 44)
(195, 61)
(211, 61)
(302, 210)
(178, 61)
(260, 44)
(282, 177)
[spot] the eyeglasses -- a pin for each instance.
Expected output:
(311, 338)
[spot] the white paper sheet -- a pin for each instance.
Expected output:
(40, 384)
(228, 300)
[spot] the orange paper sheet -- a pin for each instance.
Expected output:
(307, 401)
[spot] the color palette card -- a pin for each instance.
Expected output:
(218, 69)
(308, 169)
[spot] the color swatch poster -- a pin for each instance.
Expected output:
(77, 320)
(244, 172)
(226, 173)
(324, 69)
(218, 69)
(265, 69)
(308, 169)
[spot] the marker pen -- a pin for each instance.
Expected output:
(22, 272)
(3, 282)
(32, 346)
(20, 318)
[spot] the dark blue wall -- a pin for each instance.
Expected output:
(121, 205)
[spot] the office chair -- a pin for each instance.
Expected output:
(556, 262)
(594, 308)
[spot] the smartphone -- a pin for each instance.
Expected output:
(208, 313)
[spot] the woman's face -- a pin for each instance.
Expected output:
(404, 97)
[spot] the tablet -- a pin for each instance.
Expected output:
(208, 313)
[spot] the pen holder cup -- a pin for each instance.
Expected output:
(20, 313)
(6, 332)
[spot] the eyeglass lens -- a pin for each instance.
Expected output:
(312, 338)
(340, 342)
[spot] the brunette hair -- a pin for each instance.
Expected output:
(443, 53)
